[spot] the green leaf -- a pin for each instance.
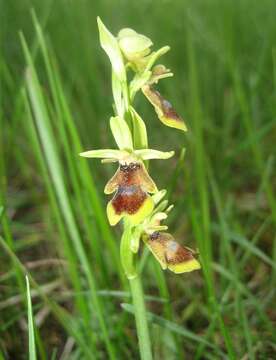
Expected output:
(111, 47)
(121, 133)
(32, 350)
(105, 154)
(140, 137)
(149, 154)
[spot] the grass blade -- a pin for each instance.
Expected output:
(32, 348)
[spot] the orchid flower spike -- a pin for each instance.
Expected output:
(135, 196)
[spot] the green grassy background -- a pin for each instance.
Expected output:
(56, 101)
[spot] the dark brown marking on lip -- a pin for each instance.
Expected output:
(155, 235)
(166, 106)
(173, 252)
(178, 256)
(132, 174)
(169, 111)
(128, 199)
(129, 174)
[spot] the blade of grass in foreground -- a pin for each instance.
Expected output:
(78, 169)
(41, 117)
(81, 302)
(32, 350)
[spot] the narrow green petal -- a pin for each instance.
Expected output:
(159, 72)
(156, 55)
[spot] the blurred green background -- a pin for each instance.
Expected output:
(52, 207)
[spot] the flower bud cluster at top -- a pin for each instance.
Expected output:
(136, 198)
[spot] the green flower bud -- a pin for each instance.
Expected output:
(133, 45)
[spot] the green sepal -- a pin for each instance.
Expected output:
(110, 45)
(121, 133)
(150, 154)
(105, 154)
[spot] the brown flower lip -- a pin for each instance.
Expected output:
(170, 254)
(128, 199)
(164, 109)
(175, 253)
(133, 173)
(131, 184)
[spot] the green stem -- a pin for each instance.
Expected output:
(129, 266)
(128, 263)
(140, 318)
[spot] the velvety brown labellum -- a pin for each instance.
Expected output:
(128, 199)
(164, 105)
(173, 252)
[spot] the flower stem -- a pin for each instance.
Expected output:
(140, 318)
(128, 263)
(129, 266)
